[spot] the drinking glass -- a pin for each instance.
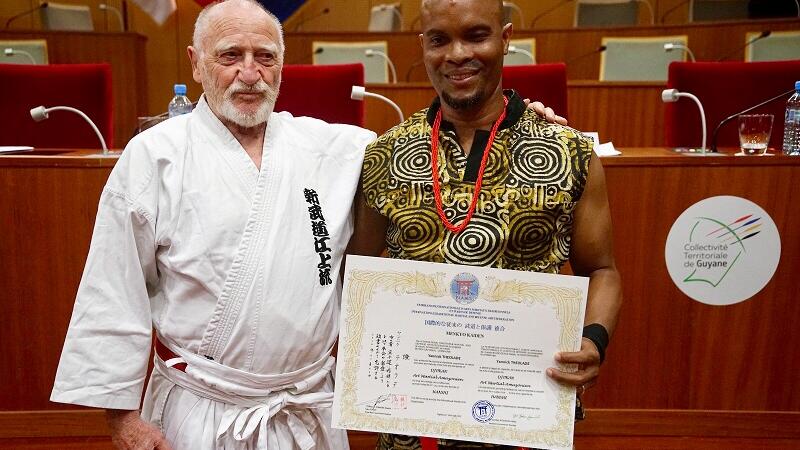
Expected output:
(754, 132)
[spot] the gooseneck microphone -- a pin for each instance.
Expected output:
(303, 58)
(667, 12)
(745, 111)
(600, 49)
(304, 20)
(413, 66)
(41, 113)
(548, 11)
(25, 13)
(747, 44)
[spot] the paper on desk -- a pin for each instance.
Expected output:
(606, 149)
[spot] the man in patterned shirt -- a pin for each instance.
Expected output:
(541, 199)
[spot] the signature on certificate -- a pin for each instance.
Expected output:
(393, 401)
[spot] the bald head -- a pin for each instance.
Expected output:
(219, 10)
(429, 6)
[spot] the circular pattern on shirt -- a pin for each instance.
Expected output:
(531, 235)
(417, 231)
(539, 161)
(411, 162)
(480, 244)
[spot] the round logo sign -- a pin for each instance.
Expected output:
(483, 411)
(722, 250)
(464, 288)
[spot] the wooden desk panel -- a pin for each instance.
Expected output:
(669, 352)
(708, 41)
(126, 54)
(629, 114)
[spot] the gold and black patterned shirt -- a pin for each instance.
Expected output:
(534, 176)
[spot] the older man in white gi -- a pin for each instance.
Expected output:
(224, 231)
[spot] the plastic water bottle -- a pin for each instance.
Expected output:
(180, 104)
(791, 128)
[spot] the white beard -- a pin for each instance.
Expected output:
(248, 119)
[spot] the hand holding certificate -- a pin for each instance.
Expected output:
(457, 352)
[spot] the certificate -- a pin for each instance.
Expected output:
(458, 352)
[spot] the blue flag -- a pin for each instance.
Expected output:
(283, 9)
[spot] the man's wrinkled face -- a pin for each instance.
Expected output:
(239, 65)
(463, 43)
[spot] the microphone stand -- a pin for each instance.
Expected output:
(731, 117)
(25, 13)
(600, 49)
(548, 11)
(749, 43)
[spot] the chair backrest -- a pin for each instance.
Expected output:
(23, 51)
(638, 58)
(725, 88)
(546, 83)
(717, 10)
(375, 67)
(322, 92)
(58, 16)
(86, 87)
(778, 46)
(520, 58)
(606, 13)
(385, 17)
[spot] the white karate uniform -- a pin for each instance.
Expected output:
(228, 264)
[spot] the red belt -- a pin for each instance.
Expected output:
(166, 354)
(429, 443)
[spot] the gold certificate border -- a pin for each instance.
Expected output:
(361, 288)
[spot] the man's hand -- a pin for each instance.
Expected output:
(130, 432)
(547, 113)
(588, 361)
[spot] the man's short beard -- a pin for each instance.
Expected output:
(463, 103)
(248, 120)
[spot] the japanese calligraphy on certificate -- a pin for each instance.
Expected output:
(459, 352)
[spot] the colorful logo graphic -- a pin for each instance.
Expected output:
(483, 411)
(464, 288)
(711, 262)
(722, 250)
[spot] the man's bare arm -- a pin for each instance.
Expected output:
(369, 234)
(592, 255)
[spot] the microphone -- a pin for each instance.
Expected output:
(11, 52)
(747, 44)
(548, 11)
(303, 58)
(672, 95)
(522, 51)
(41, 113)
(369, 53)
(359, 92)
(513, 6)
(670, 46)
(733, 116)
(413, 66)
(25, 13)
(600, 49)
(116, 11)
(667, 12)
(309, 19)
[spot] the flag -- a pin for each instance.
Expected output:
(159, 10)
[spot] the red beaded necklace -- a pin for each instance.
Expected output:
(437, 194)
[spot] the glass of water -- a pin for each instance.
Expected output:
(754, 132)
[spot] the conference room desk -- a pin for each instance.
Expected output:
(630, 114)
(709, 41)
(675, 368)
